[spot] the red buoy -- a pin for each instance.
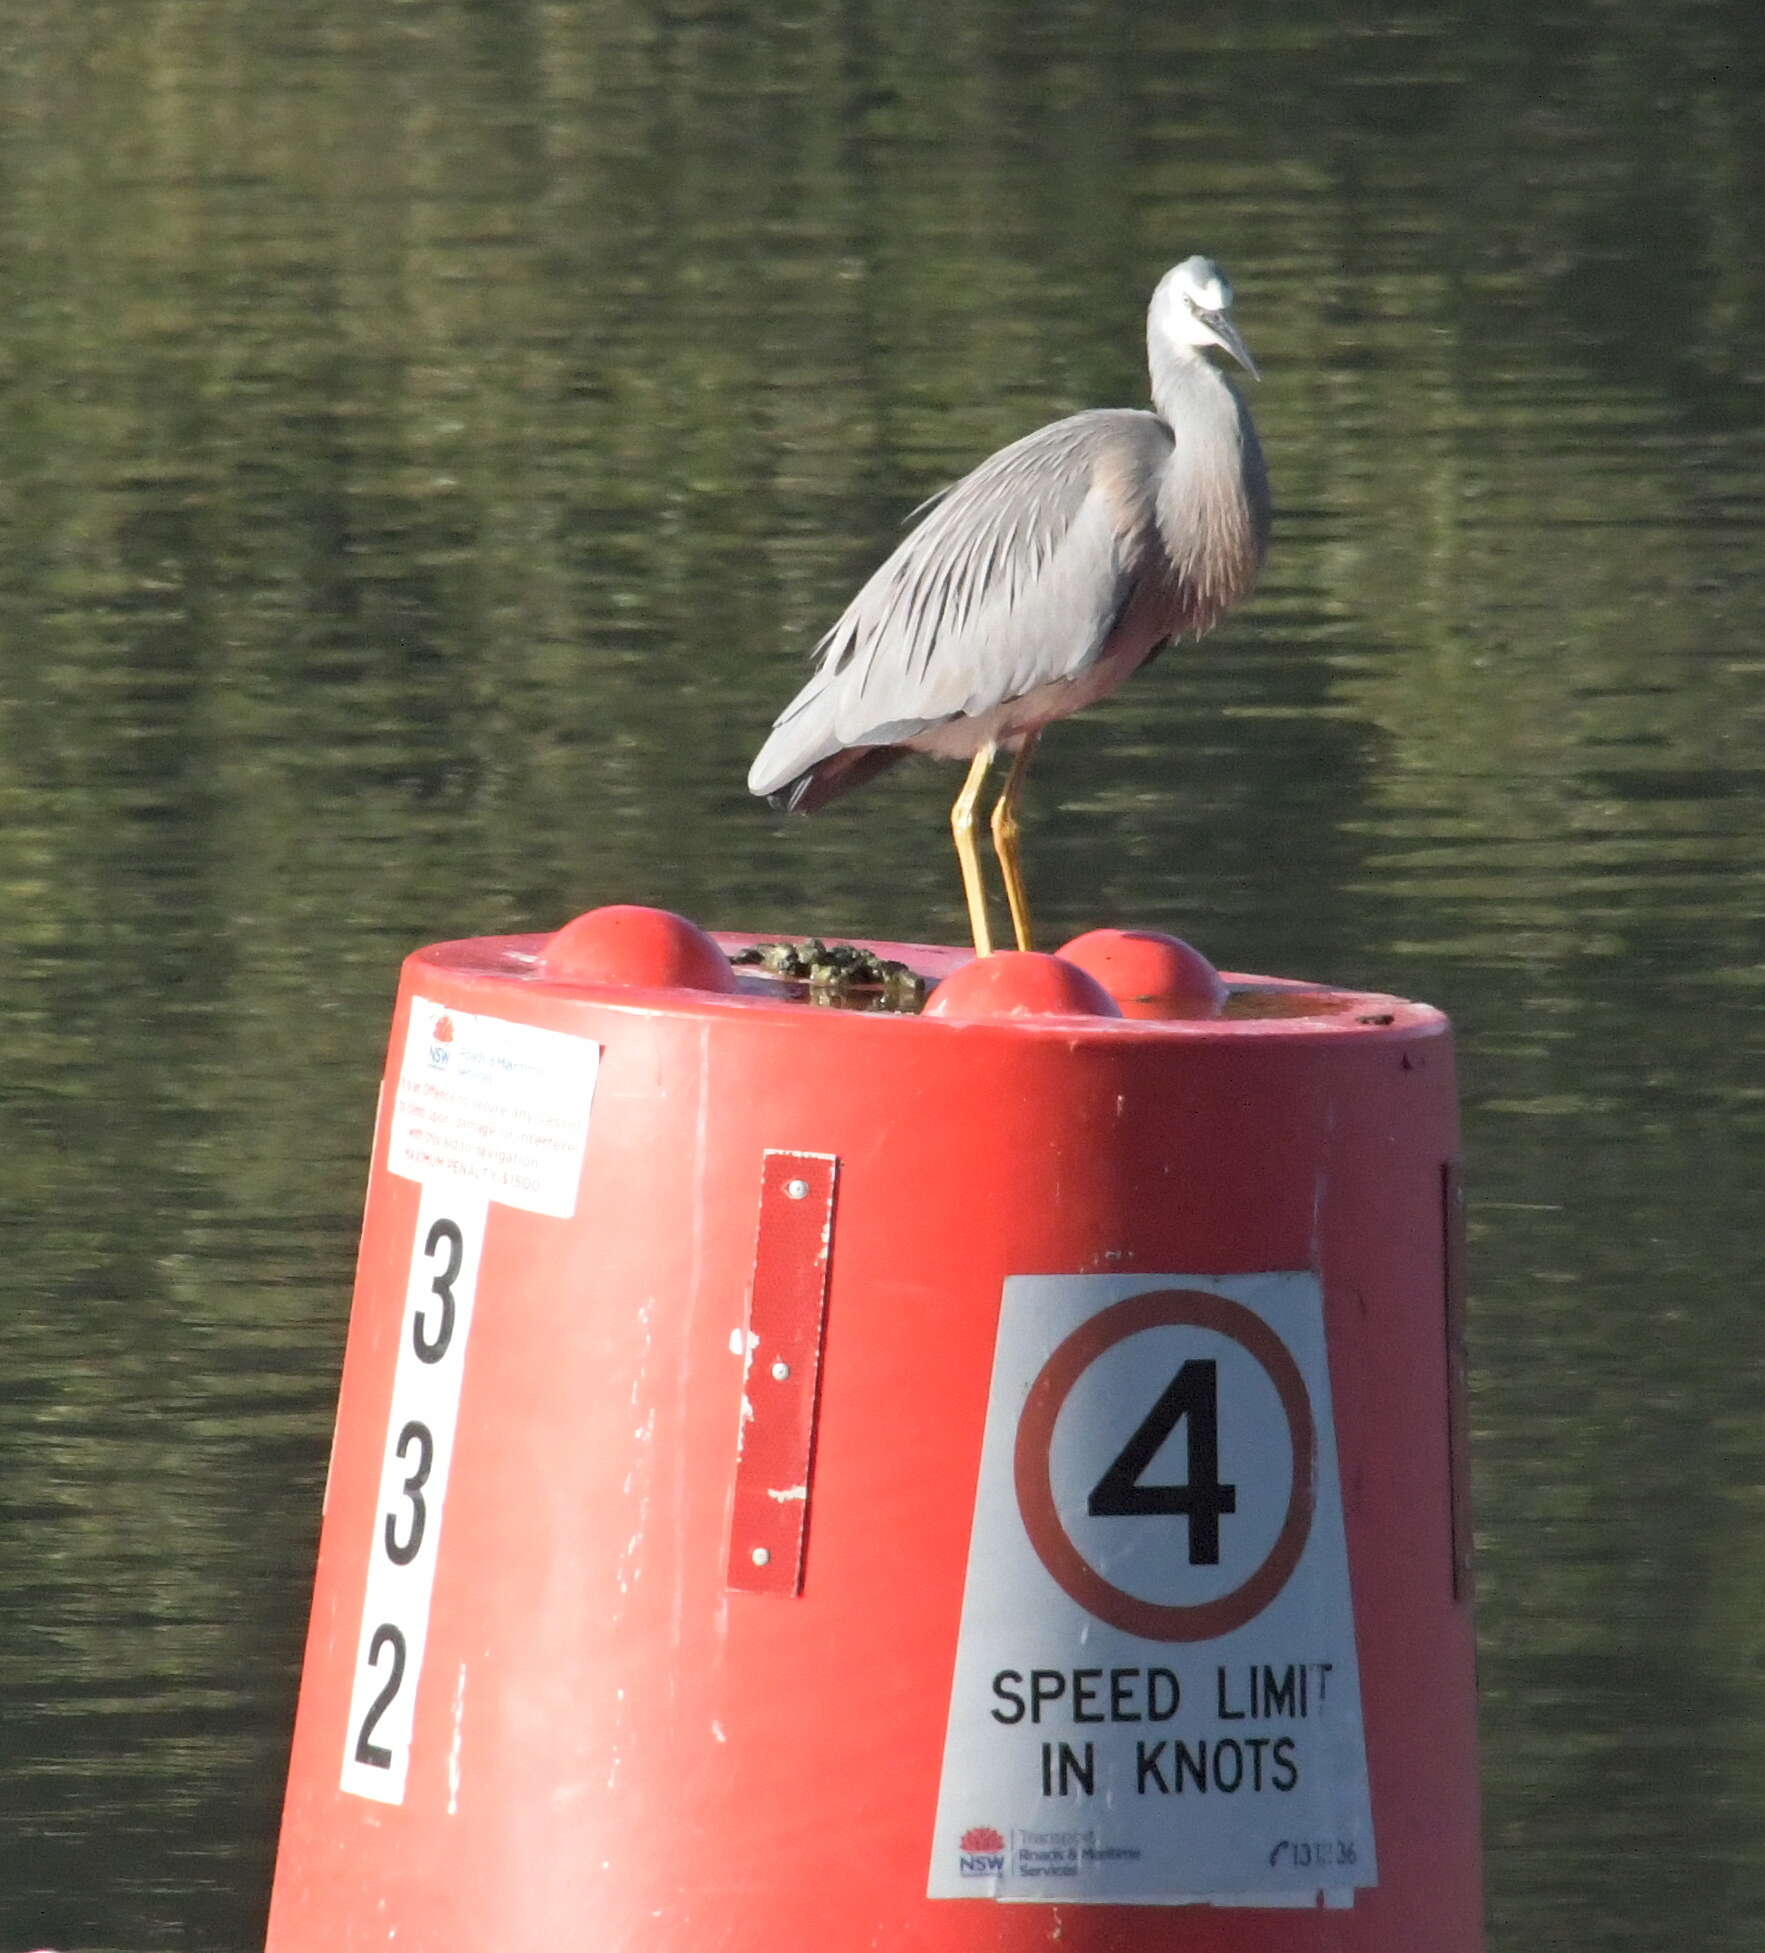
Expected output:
(836, 1478)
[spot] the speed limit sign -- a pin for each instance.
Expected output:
(1156, 1695)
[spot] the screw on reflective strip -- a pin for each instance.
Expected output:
(796, 1189)
(762, 1556)
(781, 1372)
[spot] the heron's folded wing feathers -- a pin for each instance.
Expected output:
(1014, 577)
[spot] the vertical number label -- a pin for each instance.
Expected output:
(445, 1252)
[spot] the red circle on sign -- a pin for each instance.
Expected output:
(1188, 1308)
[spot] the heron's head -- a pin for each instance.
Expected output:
(1192, 308)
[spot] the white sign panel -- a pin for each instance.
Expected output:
(1156, 1697)
(502, 1106)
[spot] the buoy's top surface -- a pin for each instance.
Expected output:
(1108, 982)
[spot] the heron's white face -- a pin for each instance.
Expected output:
(1192, 308)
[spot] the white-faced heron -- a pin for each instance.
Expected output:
(1037, 584)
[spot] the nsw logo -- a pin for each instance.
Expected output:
(982, 1854)
(441, 1039)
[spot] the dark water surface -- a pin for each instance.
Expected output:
(429, 435)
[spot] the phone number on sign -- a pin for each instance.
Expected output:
(1321, 1852)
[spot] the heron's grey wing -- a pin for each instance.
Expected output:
(1014, 577)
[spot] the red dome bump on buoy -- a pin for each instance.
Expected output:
(1020, 983)
(650, 949)
(1149, 974)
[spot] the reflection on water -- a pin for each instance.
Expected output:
(432, 432)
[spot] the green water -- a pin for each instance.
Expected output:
(430, 436)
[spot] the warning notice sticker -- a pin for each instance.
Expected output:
(501, 1106)
(1156, 1698)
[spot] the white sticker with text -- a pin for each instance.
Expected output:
(503, 1106)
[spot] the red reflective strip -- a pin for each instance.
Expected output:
(787, 1308)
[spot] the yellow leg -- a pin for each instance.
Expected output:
(1005, 833)
(968, 856)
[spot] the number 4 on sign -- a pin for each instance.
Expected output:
(1192, 1400)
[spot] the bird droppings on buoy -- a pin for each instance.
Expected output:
(850, 974)
(1148, 973)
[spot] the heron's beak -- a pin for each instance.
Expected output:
(1223, 330)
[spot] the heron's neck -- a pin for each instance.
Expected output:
(1188, 388)
(1212, 502)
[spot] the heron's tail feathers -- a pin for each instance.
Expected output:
(834, 776)
(821, 747)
